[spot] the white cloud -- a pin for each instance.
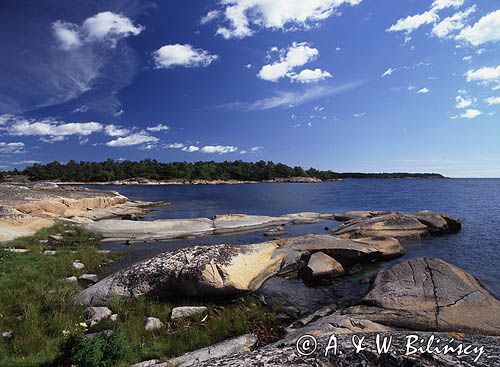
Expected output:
(113, 130)
(10, 148)
(291, 99)
(210, 17)
(191, 149)
(52, 139)
(388, 72)
(244, 15)
(463, 100)
(484, 75)
(412, 22)
(182, 55)
(442, 4)
(51, 127)
(104, 26)
(109, 26)
(423, 91)
(175, 146)
(359, 114)
(66, 34)
(118, 113)
(467, 58)
(134, 139)
(311, 76)
(295, 56)
(158, 128)
(248, 66)
(469, 114)
(487, 29)
(219, 149)
(492, 100)
(453, 23)
(81, 109)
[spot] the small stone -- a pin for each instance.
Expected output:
(7, 335)
(103, 251)
(71, 279)
(17, 250)
(55, 238)
(78, 265)
(93, 315)
(71, 232)
(355, 269)
(187, 311)
(92, 278)
(43, 241)
(153, 323)
(49, 252)
(321, 266)
(114, 317)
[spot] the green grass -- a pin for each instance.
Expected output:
(36, 304)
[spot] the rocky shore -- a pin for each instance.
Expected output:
(26, 208)
(151, 182)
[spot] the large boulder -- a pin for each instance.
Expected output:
(320, 267)
(430, 294)
(200, 271)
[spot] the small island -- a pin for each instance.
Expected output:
(153, 172)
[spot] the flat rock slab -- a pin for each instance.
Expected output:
(284, 353)
(430, 294)
(196, 227)
(398, 225)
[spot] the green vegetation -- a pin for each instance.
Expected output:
(36, 305)
(151, 169)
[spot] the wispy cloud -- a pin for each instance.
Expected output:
(290, 99)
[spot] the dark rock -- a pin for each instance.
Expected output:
(355, 269)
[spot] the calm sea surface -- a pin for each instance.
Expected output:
(477, 201)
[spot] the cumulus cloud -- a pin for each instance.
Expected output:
(133, 139)
(423, 91)
(158, 128)
(412, 22)
(113, 130)
(453, 23)
(487, 29)
(174, 146)
(12, 148)
(51, 127)
(484, 75)
(468, 114)
(104, 26)
(191, 149)
(311, 76)
(463, 100)
(492, 100)
(243, 16)
(170, 56)
(219, 149)
(442, 4)
(298, 54)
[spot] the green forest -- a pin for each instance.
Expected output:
(111, 170)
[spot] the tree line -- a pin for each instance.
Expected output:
(111, 170)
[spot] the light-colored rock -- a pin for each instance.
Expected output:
(114, 317)
(153, 323)
(49, 252)
(89, 278)
(321, 266)
(7, 335)
(150, 363)
(55, 238)
(239, 344)
(218, 270)
(71, 279)
(78, 265)
(430, 294)
(94, 315)
(187, 311)
(17, 250)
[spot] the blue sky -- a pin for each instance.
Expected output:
(347, 85)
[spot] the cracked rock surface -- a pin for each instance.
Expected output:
(430, 294)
